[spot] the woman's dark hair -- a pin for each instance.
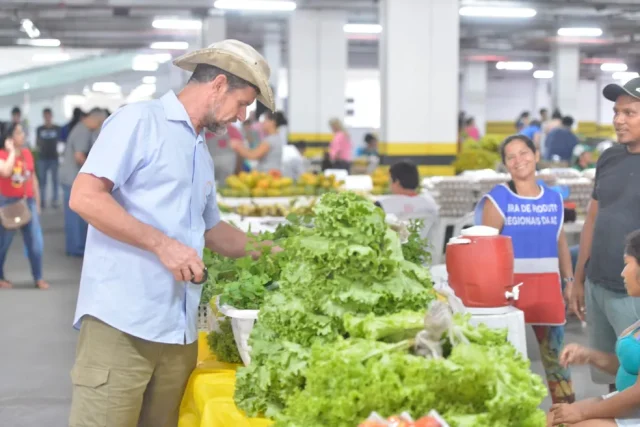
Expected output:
(78, 115)
(512, 138)
(8, 133)
(406, 174)
(469, 121)
(270, 115)
(281, 120)
(556, 114)
(632, 247)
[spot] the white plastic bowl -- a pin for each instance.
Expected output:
(242, 322)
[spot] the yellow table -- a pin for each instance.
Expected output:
(208, 399)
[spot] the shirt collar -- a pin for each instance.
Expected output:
(175, 111)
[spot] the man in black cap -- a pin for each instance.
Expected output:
(613, 213)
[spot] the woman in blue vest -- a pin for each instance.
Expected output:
(533, 215)
(621, 408)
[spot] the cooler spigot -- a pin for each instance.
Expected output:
(515, 292)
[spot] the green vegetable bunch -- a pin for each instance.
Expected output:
(415, 249)
(349, 263)
(223, 344)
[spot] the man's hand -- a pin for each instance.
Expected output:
(182, 260)
(565, 413)
(576, 299)
(575, 354)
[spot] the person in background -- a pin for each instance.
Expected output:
(148, 191)
(294, 163)
(47, 138)
(405, 181)
(16, 118)
(77, 149)
(250, 134)
(268, 154)
(471, 129)
(522, 121)
(533, 216)
(561, 141)
(18, 181)
(283, 126)
(582, 157)
(622, 407)
(613, 213)
(225, 160)
(533, 131)
(340, 149)
(370, 146)
(548, 126)
(544, 116)
(77, 116)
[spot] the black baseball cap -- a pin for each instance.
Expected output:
(613, 91)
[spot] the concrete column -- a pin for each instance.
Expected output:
(214, 29)
(474, 93)
(566, 78)
(272, 52)
(419, 79)
(317, 75)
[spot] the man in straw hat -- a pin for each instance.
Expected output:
(147, 190)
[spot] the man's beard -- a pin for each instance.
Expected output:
(217, 129)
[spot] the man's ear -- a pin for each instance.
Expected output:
(219, 84)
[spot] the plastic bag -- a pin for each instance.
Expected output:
(438, 322)
(432, 419)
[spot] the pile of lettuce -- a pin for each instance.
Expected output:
(349, 265)
(483, 382)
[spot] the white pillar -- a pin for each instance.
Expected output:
(474, 93)
(214, 29)
(317, 74)
(419, 76)
(566, 78)
(272, 52)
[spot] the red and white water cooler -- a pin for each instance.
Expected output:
(480, 270)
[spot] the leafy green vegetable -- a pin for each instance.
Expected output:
(478, 385)
(415, 249)
(223, 345)
(393, 327)
(349, 263)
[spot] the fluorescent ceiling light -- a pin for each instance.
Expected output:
(170, 45)
(50, 57)
(580, 32)
(106, 87)
(613, 66)
(161, 57)
(26, 86)
(543, 74)
(258, 5)
(514, 65)
(625, 76)
(498, 12)
(144, 63)
(39, 42)
(27, 26)
(177, 24)
(149, 80)
(363, 28)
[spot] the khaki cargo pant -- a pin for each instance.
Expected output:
(123, 381)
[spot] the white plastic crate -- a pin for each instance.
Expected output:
(242, 322)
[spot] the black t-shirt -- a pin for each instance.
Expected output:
(617, 191)
(47, 142)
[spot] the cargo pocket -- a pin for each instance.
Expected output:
(90, 397)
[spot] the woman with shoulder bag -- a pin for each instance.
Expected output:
(19, 203)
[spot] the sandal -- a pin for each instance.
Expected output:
(42, 285)
(4, 284)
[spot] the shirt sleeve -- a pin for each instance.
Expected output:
(120, 148)
(211, 211)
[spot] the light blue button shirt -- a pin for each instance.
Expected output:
(163, 175)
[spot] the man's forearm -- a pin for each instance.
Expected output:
(227, 240)
(105, 214)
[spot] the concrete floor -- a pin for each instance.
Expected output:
(38, 341)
